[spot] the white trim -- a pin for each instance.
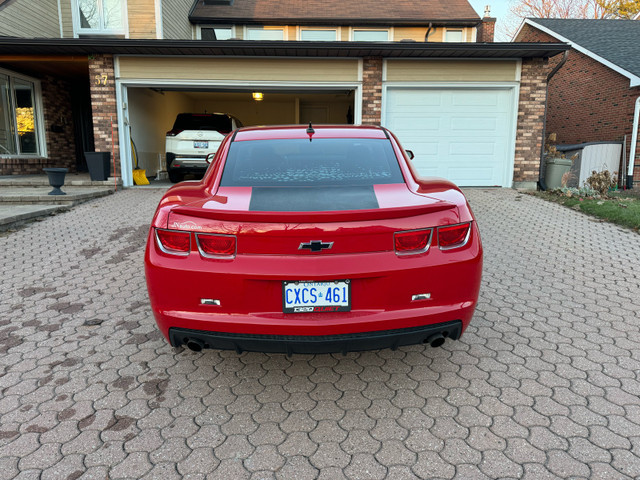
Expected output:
(512, 87)
(60, 19)
(352, 30)
(39, 114)
(634, 137)
(360, 69)
(126, 166)
(159, 24)
(462, 30)
(474, 35)
(385, 67)
(519, 70)
(77, 31)
(634, 80)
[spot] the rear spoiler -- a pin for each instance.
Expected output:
(311, 217)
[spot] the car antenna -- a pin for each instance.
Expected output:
(310, 131)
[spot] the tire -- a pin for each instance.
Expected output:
(175, 177)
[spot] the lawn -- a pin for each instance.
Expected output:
(620, 207)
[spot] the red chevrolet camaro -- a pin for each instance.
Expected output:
(312, 239)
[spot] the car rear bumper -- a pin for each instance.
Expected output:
(304, 344)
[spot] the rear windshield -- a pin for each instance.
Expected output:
(203, 121)
(321, 162)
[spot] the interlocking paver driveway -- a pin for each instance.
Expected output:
(544, 384)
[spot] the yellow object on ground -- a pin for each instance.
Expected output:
(140, 177)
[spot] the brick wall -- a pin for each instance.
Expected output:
(103, 106)
(486, 30)
(530, 121)
(588, 102)
(59, 134)
(372, 91)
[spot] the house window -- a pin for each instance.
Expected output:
(453, 36)
(20, 126)
(264, 33)
(99, 17)
(319, 34)
(215, 33)
(370, 35)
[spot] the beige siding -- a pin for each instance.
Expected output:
(142, 18)
(409, 33)
(175, 19)
(67, 18)
(309, 70)
(34, 19)
(451, 71)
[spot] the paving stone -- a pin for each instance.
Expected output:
(542, 385)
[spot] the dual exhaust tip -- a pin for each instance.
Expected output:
(435, 341)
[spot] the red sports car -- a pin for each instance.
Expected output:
(309, 240)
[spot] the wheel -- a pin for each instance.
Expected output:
(175, 177)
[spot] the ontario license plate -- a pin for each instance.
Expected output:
(309, 297)
(200, 144)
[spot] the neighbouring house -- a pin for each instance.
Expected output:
(595, 95)
(96, 74)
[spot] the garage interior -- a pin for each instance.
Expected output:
(152, 111)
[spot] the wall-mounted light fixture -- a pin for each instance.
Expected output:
(258, 96)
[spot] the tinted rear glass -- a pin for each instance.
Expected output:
(188, 121)
(298, 162)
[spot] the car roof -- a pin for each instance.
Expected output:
(300, 131)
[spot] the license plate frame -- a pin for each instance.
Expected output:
(200, 144)
(343, 294)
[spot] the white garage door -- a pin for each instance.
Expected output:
(462, 134)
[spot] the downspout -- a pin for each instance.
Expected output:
(541, 182)
(426, 35)
(634, 143)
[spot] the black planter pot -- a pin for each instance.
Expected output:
(56, 179)
(99, 164)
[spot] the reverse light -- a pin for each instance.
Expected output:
(216, 245)
(412, 242)
(453, 236)
(174, 242)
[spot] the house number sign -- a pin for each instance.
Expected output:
(101, 79)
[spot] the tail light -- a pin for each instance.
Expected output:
(413, 241)
(174, 242)
(216, 245)
(453, 236)
(173, 132)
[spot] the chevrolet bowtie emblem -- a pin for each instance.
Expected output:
(315, 245)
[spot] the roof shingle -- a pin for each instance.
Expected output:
(617, 41)
(356, 12)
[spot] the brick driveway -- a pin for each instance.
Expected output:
(544, 384)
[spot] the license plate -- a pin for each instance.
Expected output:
(310, 297)
(200, 144)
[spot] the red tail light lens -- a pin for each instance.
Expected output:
(454, 236)
(175, 242)
(412, 242)
(216, 246)
(173, 132)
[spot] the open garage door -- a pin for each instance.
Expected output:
(152, 110)
(464, 134)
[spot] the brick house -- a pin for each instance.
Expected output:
(96, 78)
(595, 96)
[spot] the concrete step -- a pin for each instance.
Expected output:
(40, 194)
(15, 215)
(71, 179)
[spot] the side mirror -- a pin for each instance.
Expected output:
(209, 158)
(410, 154)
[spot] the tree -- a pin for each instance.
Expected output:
(620, 8)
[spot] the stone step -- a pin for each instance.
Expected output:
(40, 194)
(42, 180)
(15, 215)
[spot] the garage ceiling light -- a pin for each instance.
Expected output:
(258, 96)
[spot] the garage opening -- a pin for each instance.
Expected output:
(151, 113)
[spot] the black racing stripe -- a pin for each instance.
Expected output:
(312, 199)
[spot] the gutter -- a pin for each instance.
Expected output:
(634, 143)
(565, 55)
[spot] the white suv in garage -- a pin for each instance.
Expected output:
(192, 138)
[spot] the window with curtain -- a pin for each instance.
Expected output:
(319, 35)
(19, 125)
(453, 36)
(370, 35)
(260, 33)
(100, 17)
